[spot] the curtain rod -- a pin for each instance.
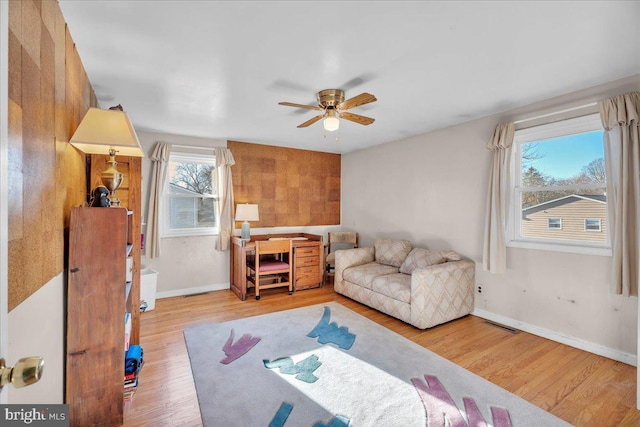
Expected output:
(542, 116)
(193, 147)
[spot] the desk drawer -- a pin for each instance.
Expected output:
(309, 261)
(307, 277)
(307, 251)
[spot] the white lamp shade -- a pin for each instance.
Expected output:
(101, 130)
(247, 212)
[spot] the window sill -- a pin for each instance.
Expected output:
(561, 247)
(189, 234)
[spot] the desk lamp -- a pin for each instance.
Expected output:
(246, 213)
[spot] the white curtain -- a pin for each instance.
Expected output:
(494, 257)
(622, 159)
(160, 159)
(224, 184)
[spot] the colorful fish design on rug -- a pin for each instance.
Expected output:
(440, 407)
(239, 349)
(303, 370)
(337, 421)
(332, 333)
(280, 418)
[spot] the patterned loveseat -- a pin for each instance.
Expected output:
(418, 286)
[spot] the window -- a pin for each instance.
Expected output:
(555, 223)
(559, 180)
(190, 195)
(592, 224)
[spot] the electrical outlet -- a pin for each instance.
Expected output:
(479, 289)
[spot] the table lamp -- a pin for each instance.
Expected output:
(246, 212)
(108, 132)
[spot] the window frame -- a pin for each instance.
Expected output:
(549, 227)
(187, 157)
(557, 129)
(591, 230)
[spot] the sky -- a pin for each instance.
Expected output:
(564, 157)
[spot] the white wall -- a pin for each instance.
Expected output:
(191, 264)
(431, 189)
(36, 328)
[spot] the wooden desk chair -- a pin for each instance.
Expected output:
(335, 241)
(271, 264)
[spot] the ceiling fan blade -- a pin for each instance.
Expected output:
(357, 118)
(311, 121)
(363, 98)
(309, 107)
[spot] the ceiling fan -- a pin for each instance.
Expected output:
(332, 104)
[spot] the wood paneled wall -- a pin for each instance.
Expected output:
(291, 187)
(49, 93)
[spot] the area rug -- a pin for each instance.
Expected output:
(326, 366)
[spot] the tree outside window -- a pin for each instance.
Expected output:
(191, 195)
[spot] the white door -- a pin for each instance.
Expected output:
(28, 370)
(4, 236)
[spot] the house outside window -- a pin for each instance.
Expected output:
(190, 195)
(554, 223)
(558, 182)
(592, 224)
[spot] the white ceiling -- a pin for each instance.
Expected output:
(218, 69)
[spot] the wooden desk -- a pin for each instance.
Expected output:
(308, 262)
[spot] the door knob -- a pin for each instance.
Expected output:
(26, 372)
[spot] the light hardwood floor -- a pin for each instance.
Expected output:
(579, 387)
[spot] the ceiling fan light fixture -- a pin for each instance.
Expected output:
(333, 105)
(331, 122)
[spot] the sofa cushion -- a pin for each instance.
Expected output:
(419, 257)
(396, 286)
(363, 275)
(391, 251)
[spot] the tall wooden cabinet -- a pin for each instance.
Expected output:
(96, 305)
(130, 195)
(103, 285)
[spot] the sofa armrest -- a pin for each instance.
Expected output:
(346, 258)
(441, 292)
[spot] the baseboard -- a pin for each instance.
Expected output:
(191, 291)
(600, 350)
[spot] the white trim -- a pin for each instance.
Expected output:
(190, 232)
(4, 184)
(191, 147)
(600, 350)
(177, 156)
(561, 246)
(582, 124)
(191, 291)
(556, 113)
